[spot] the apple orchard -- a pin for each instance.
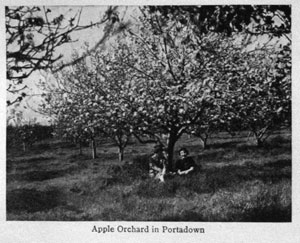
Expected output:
(178, 70)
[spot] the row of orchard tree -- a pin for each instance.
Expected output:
(177, 70)
(24, 136)
(22, 133)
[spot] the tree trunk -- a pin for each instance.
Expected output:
(24, 146)
(259, 139)
(259, 142)
(94, 154)
(204, 141)
(170, 149)
(121, 153)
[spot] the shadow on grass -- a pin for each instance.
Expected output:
(217, 145)
(34, 160)
(280, 163)
(211, 156)
(268, 214)
(63, 144)
(231, 175)
(39, 175)
(76, 157)
(31, 200)
(31, 163)
(217, 154)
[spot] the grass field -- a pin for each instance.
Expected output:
(238, 182)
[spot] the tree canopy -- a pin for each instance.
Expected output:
(273, 20)
(168, 75)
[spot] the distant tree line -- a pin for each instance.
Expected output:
(24, 136)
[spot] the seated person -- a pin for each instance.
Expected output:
(185, 165)
(158, 163)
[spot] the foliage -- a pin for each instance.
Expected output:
(175, 75)
(114, 98)
(235, 70)
(231, 19)
(93, 94)
(71, 100)
(166, 77)
(209, 124)
(259, 100)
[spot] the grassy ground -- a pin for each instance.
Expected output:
(238, 182)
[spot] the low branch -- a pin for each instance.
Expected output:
(148, 140)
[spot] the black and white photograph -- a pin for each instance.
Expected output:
(153, 118)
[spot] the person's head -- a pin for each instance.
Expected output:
(183, 153)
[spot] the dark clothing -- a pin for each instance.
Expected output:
(185, 164)
(156, 161)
